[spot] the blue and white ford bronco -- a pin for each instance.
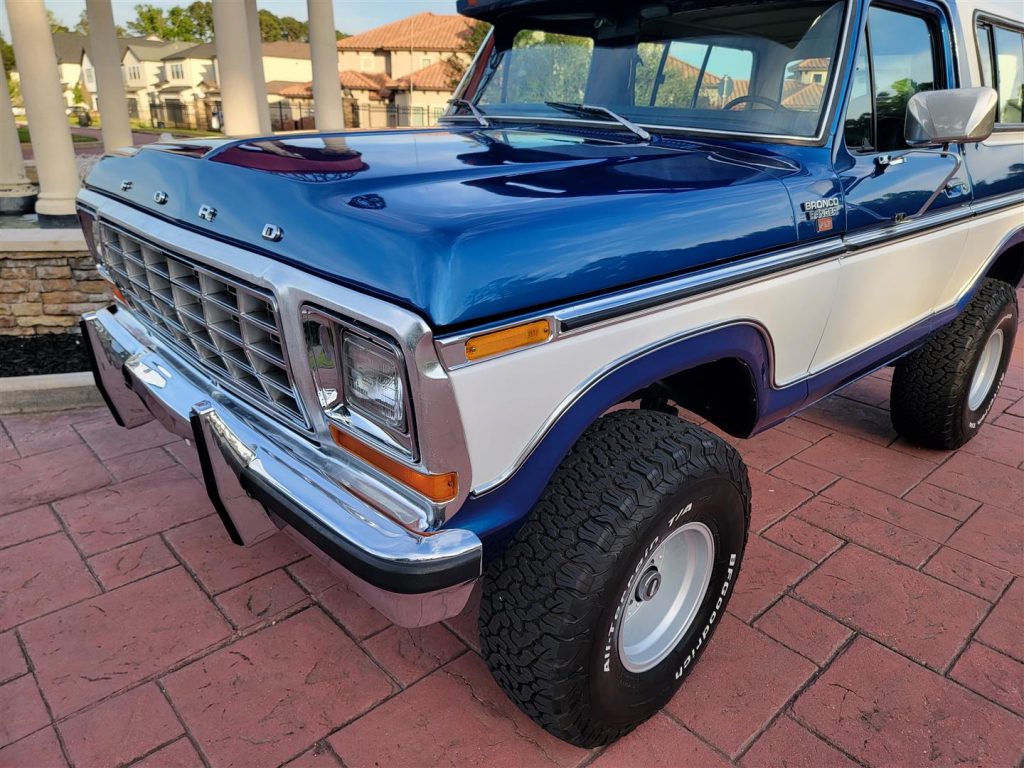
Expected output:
(411, 350)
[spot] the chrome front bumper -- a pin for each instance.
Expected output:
(262, 477)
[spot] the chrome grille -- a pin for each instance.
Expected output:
(230, 327)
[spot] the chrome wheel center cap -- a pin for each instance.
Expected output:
(663, 599)
(648, 585)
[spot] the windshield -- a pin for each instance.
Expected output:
(751, 67)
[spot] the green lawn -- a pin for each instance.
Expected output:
(24, 137)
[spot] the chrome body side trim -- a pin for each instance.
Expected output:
(583, 386)
(244, 452)
(441, 438)
(629, 304)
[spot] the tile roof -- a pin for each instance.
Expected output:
(422, 32)
(436, 77)
(374, 82)
(191, 51)
(69, 47)
(363, 81)
(296, 91)
(286, 49)
(808, 96)
(789, 87)
(285, 87)
(144, 48)
(809, 64)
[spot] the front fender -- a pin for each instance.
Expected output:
(496, 515)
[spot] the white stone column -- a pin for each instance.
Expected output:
(48, 123)
(117, 131)
(323, 49)
(17, 195)
(259, 80)
(238, 96)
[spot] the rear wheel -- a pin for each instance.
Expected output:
(600, 607)
(942, 393)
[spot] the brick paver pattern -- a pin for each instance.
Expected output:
(878, 620)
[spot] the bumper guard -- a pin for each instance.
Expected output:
(262, 477)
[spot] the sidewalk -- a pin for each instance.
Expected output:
(878, 618)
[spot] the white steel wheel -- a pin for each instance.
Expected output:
(665, 596)
(986, 371)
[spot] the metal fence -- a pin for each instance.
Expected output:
(292, 116)
(173, 114)
(296, 115)
(393, 116)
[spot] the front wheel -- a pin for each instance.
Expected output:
(609, 594)
(942, 393)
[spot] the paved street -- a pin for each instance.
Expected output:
(878, 619)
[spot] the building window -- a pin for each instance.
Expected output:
(426, 61)
(133, 73)
(90, 78)
(177, 72)
(366, 63)
(818, 77)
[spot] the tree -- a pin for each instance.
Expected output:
(7, 51)
(149, 20)
(76, 94)
(180, 25)
(202, 18)
(294, 30)
(473, 40)
(270, 27)
(82, 27)
(55, 23)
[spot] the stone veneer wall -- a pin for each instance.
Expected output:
(47, 292)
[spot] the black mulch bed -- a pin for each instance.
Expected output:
(48, 353)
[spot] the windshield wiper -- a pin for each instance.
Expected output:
(480, 117)
(584, 110)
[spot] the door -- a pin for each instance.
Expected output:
(890, 284)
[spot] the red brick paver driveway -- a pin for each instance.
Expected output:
(878, 619)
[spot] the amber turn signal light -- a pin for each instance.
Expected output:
(507, 339)
(438, 488)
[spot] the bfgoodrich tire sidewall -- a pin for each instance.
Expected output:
(1007, 322)
(623, 697)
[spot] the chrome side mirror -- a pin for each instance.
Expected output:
(956, 116)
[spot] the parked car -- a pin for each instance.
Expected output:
(456, 356)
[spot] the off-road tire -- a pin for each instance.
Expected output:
(931, 386)
(548, 613)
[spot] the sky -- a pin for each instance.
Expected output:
(349, 15)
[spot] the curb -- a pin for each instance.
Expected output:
(53, 392)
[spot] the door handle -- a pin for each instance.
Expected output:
(956, 189)
(886, 161)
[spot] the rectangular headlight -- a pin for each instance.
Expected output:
(373, 381)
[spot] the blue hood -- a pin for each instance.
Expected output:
(466, 226)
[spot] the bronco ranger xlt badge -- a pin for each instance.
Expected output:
(466, 364)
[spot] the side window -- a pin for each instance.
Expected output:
(895, 60)
(903, 63)
(985, 55)
(860, 115)
(1001, 55)
(684, 75)
(1009, 73)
